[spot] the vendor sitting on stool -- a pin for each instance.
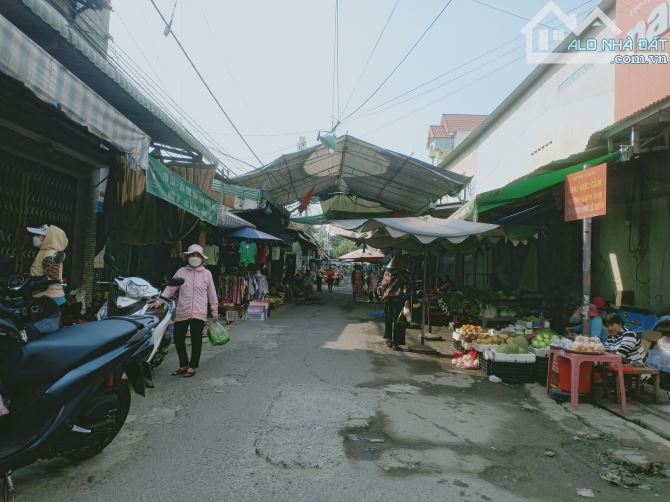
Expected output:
(596, 326)
(627, 344)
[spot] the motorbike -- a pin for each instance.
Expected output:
(136, 295)
(63, 394)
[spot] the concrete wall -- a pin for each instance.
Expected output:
(636, 230)
(553, 119)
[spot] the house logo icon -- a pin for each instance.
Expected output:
(547, 31)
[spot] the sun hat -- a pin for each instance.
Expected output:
(43, 230)
(193, 249)
(599, 302)
(593, 311)
(398, 262)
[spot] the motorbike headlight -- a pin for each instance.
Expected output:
(102, 313)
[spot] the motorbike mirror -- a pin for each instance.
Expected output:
(59, 257)
(176, 281)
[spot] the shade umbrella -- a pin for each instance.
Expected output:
(420, 233)
(254, 234)
(370, 255)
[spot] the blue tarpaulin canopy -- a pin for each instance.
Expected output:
(253, 234)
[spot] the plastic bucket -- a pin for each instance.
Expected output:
(565, 376)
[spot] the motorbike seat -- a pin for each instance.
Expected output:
(45, 360)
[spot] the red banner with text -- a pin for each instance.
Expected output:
(586, 193)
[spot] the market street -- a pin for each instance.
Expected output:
(310, 405)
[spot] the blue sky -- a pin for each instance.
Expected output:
(270, 64)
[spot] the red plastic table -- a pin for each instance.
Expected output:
(576, 361)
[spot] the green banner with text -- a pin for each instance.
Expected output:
(171, 187)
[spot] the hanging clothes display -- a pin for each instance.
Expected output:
(248, 252)
(230, 255)
(262, 255)
(212, 253)
(241, 287)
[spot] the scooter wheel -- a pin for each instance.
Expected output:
(105, 424)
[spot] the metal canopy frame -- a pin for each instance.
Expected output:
(395, 181)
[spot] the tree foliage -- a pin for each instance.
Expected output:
(344, 247)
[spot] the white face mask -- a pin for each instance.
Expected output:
(195, 261)
(37, 240)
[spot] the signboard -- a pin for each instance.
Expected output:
(586, 193)
(639, 85)
(171, 187)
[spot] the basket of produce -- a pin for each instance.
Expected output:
(511, 362)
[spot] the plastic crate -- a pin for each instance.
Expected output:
(233, 315)
(513, 373)
(458, 346)
(256, 316)
(541, 368)
(482, 363)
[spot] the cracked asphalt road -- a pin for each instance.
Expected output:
(310, 405)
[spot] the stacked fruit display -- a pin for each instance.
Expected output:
(545, 338)
(516, 345)
(470, 332)
(496, 338)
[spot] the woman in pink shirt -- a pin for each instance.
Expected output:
(194, 295)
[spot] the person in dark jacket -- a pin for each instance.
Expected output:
(393, 292)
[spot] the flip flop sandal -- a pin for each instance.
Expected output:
(179, 372)
(189, 373)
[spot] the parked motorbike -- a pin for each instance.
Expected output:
(63, 394)
(135, 296)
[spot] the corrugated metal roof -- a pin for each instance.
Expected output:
(356, 167)
(76, 54)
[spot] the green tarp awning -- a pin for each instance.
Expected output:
(169, 186)
(532, 184)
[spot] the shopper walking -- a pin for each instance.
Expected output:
(194, 295)
(330, 278)
(373, 283)
(357, 281)
(393, 291)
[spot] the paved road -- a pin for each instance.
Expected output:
(311, 406)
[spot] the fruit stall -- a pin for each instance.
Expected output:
(493, 309)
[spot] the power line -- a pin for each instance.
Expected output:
(337, 54)
(332, 102)
(380, 107)
(376, 110)
(474, 81)
(365, 67)
(444, 74)
(204, 82)
(123, 63)
(425, 32)
(478, 79)
(513, 14)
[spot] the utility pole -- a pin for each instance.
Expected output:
(302, 143)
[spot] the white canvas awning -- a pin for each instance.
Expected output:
(423, 229)
(23, 60)
(229, 220)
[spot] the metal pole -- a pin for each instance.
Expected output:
(586, 274)
(423, 303)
